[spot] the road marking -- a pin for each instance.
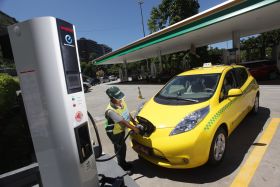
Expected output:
(248, 169)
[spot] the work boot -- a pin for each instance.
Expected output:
(126, 166)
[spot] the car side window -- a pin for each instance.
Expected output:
(229, 83)
(241, 76)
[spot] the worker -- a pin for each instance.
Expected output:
(118, 120)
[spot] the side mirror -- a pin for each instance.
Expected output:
(234, 92)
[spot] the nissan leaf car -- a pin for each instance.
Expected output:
(186, 124)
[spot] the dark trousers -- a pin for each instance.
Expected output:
(117, 140)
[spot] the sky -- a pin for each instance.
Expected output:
(115, 23)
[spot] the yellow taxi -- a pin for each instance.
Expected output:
(188, 121)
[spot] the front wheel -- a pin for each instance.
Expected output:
(218, 147)
(255, 108)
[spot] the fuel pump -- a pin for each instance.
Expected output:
(47, 63)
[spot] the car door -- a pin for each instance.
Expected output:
(246, 86)
(232, 106)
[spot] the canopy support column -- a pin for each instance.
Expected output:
(121, 74)
(276, 55)
(153, 70)
(160, 62)
(236, 45)
(125, 78)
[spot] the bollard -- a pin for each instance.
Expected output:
(140, 94)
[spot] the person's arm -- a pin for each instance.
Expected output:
(119, 119)
(132, 120)
(128, 125)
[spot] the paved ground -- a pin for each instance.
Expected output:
(247, 139)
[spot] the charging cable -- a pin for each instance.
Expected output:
(99, 141)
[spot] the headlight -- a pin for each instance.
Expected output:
(190, 121)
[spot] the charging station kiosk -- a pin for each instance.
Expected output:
(48, 67)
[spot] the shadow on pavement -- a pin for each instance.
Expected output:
(239, 143)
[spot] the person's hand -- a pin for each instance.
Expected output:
(135, 123)
(136, 130)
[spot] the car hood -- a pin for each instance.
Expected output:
(167, 116)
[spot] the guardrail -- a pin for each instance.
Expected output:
(25, 176)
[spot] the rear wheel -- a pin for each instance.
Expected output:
(218, 147)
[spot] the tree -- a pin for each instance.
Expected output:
(170, 12)
(113, 69)
(92, 56)
(182, 9)
(259, 47)
(215, 55)
(88, 69)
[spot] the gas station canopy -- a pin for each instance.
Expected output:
(247, 17)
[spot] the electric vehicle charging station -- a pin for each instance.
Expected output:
(48, 67)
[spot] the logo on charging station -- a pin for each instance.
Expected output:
(68, 40)
(78, 116)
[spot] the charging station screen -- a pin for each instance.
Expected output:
(69, 56)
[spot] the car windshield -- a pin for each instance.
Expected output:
(190, 88)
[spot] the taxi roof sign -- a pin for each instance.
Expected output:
(207, 65)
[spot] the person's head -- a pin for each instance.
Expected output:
(115, 95)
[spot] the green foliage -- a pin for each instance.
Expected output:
(259, 47)
(181, 9)
(170, 12)
(133, 68)
(202, 52)
(113, 69)
(88, 69)
(93, 56)
(6, 20)
(8, 88)
(6, 63)
(215, 55)
(270, 38)
(100, 73)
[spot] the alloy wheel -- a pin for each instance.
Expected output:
(219, 147)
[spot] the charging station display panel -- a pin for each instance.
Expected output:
(69, 56)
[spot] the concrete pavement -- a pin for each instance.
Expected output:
(241, 143)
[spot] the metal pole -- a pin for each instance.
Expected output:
(140, 4)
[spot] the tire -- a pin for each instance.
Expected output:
(218, 147)
(256, 106)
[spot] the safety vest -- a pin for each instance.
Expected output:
(116, 128)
